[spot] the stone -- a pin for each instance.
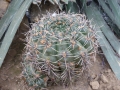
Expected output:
(109, 87)
(116, 87)
(93, 76)
(104, 79)
(108, 71)
(95, 85)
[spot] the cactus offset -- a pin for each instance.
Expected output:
(58, 48)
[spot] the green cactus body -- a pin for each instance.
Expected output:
(57, 49)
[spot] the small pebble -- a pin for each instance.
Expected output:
(108, 71)
(104, 79)
(95, 85)
(93, 76)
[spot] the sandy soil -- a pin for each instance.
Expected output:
(100, 76)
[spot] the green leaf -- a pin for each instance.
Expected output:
(72, 7)
(104, 43)
(112, 14)
(115, 7)
(7, 18)
(12, 29)
(60, 6)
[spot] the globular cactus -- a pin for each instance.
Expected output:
(58, 48)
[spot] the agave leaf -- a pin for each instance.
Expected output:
(114, 17)
(110, 19)
(105, 28)
(52, 1)
(65, 1)
(116, 11)
(114, 6)
(72, 7)
(56, 1)
(37, 1)
(12, 29)
(7, 18)
(105, 45)
(60, 6)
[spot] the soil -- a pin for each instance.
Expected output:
(99, 77)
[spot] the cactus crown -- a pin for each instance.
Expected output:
(58, 48)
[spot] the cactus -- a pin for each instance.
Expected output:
(58, 48)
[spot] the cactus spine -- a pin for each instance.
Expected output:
(58, 48)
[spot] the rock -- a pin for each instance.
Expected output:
(109, 87)
(95, 85)
(104, 79)
(116, 87)
(108, 71)
(93, 76)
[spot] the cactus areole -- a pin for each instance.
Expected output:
(58, 48)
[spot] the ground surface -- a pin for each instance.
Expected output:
(100, 76)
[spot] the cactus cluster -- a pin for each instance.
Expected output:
(58, 48)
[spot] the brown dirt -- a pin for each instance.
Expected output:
(10, 72)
